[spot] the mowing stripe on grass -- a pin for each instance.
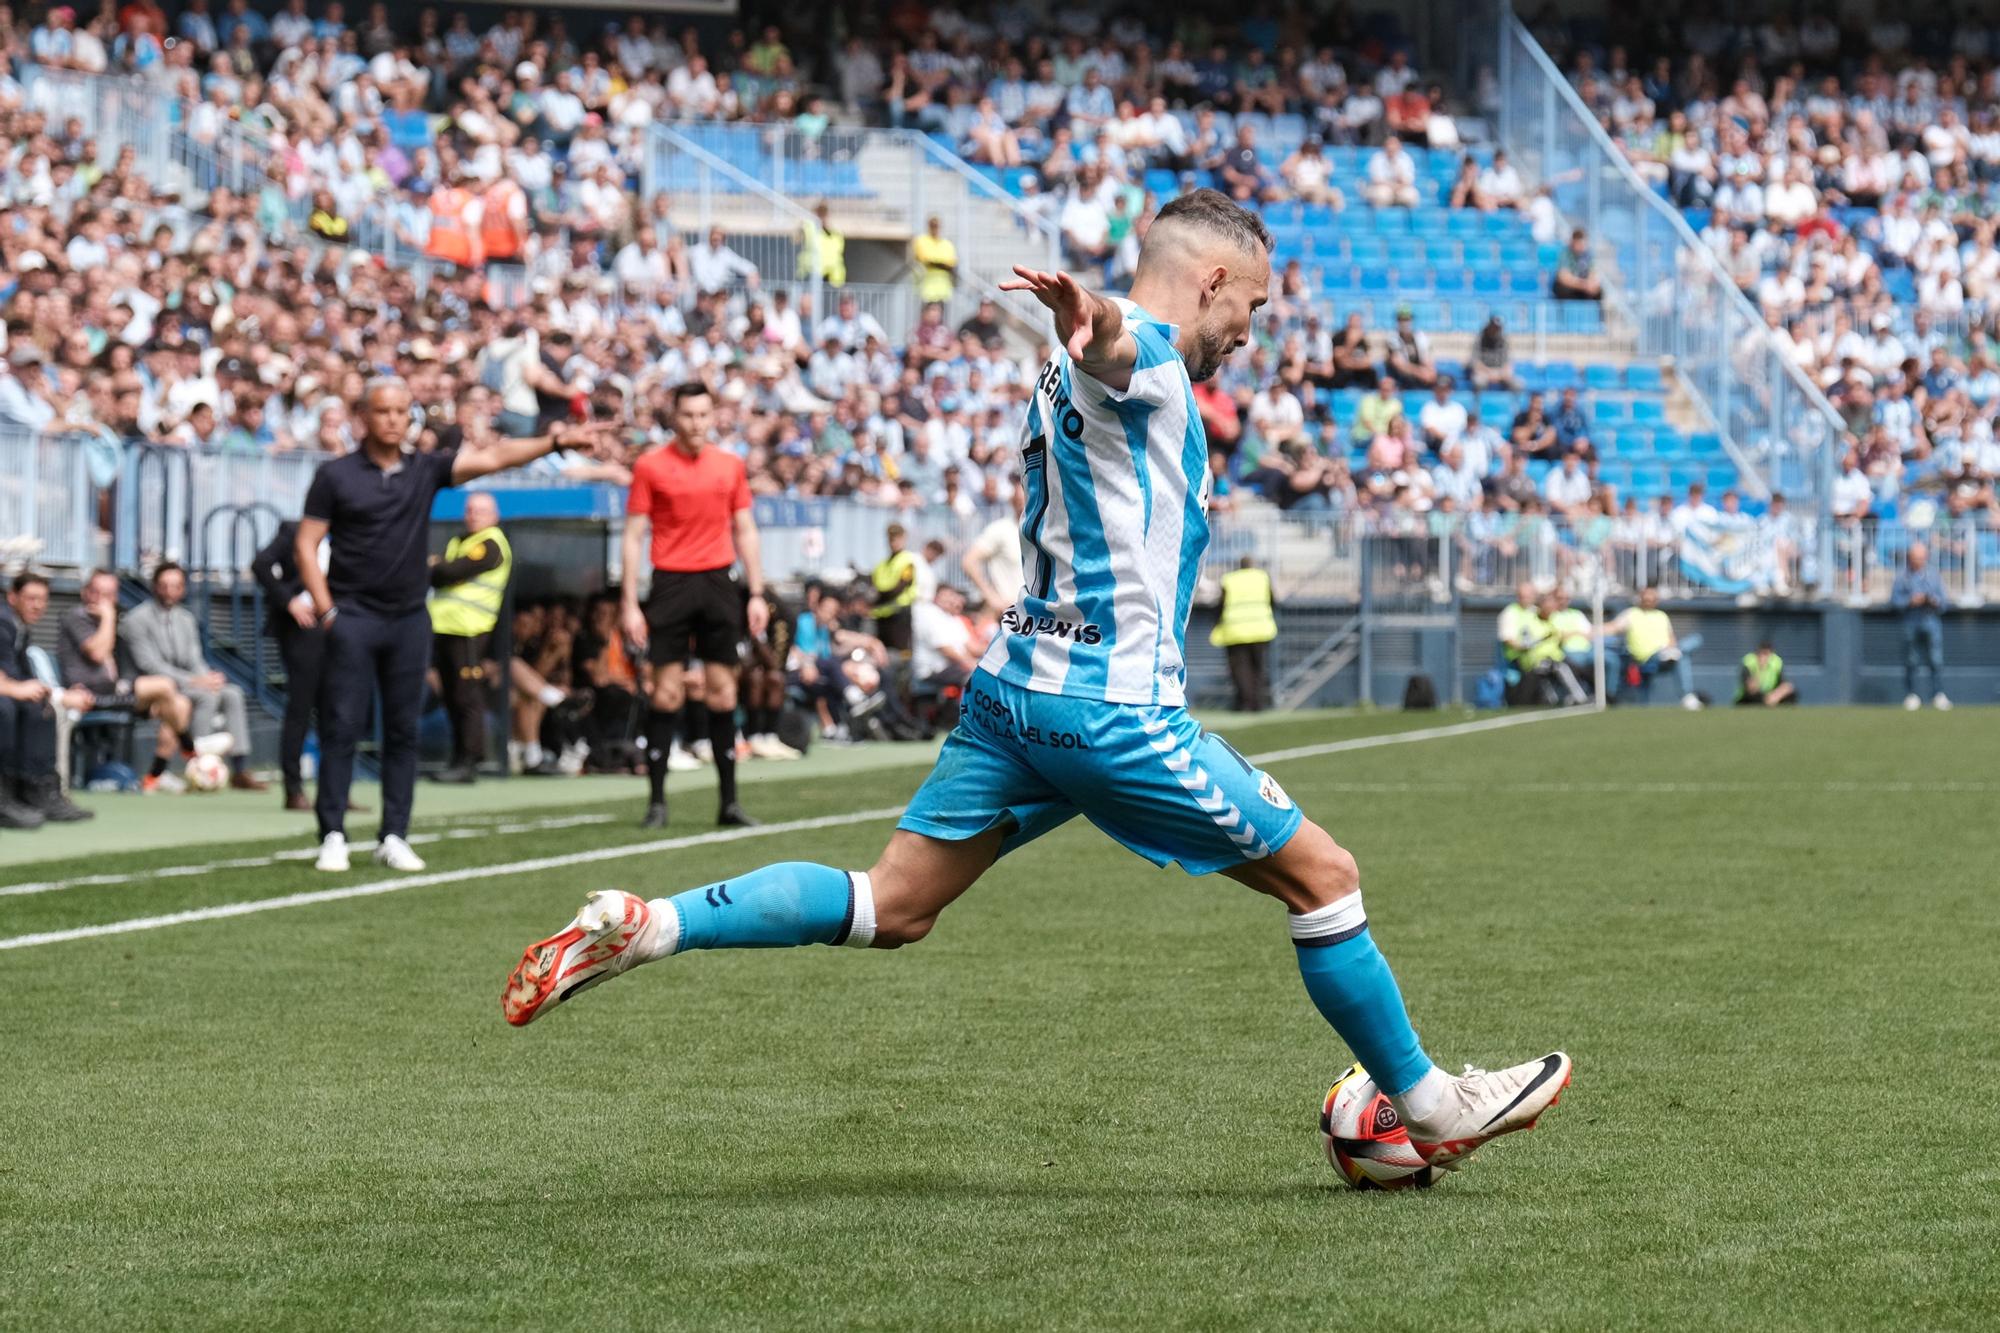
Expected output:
(401, 882)
(482, 830)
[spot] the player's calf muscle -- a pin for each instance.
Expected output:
(917, 877)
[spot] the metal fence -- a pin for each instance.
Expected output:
(1664, 286)
(1431, 558)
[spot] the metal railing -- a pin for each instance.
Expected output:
(1663, 283)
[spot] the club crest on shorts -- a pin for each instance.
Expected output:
(1272, 793)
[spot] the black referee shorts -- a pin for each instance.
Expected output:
(700, 613)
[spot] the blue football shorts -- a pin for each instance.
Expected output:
(1148, 775)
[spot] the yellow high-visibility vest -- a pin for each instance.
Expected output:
(887, 575)
(1246, 610)
(1647, 633)
(1572, 629)
(823, 253)
(473, 607)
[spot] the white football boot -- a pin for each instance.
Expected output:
(1483, 1104)
(396, 854)
(614, 931)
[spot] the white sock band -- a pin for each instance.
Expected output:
(668, 938)
(861, 923)
(1331, 924)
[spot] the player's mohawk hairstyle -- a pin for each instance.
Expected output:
(1216, 212)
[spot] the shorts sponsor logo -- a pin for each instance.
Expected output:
(1272, 793)
(1016, 621)
(996, 719)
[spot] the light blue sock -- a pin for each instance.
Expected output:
(1352, 987)
(776, 907)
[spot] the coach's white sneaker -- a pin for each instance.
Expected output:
(680, 761)
(613, 932)
(1691, 702)
(1940, 702)
(332, 853)
(396, 854)
(1911, 703)
(1483, 1104)
(218, 743)
(770, 747)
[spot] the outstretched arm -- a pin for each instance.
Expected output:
(503, 454)
(1090, 327)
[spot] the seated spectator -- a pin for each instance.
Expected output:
(1309, 175)
(31, 793)
(1533, 435)
(1500, 184)
(941, 657)
(1492, 365)
(1576, 278)
(87, 654)
(1379, 406)
(1392, 177)
(1546, 675)
(1567, 489)
(1408, 353)
(1276, 416)
(165, 640)
(1650, 644)
(1455, 479)
(1443, 419)
(606, 664)
(1762, 679)
(1571, 423)
(1244, 174)
(1465, 191)
(1353, 356)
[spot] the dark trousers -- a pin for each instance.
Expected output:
(1246, 672)
(1923, 646)
(303, 652)
(462, 685)
(27, 739)
(366, 653)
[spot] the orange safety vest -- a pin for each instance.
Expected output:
(498, 234)
(450, 238)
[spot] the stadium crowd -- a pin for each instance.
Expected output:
(1848, 180)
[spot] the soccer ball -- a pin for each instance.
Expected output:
(1365, 1138)
(207, 772)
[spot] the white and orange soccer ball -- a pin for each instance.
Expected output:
(207, 772)
(1366, 1140)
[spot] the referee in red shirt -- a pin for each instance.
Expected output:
(696, 501)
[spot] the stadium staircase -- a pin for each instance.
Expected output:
(1453, 268)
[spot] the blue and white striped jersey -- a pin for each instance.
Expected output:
(1114, 530)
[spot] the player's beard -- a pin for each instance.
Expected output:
(1211, 349)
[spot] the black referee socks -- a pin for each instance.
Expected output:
(660, 726)
(722, 736)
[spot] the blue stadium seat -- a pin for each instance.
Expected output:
(1451, 280)
(1488, 282)
(1705, 444)
(1610, 411)
(1644, 379)
(1721, 479)
(1598, 378)
(1648, 411)
(1560, 375)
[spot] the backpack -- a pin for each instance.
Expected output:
(1490, 694)
(1419, 694)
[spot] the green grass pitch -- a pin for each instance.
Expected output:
(1772, 943)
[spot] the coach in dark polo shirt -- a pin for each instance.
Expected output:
(374, 506)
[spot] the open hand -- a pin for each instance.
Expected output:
(1086, 325)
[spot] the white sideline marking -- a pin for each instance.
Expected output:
(428, 878)
(291, 854)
